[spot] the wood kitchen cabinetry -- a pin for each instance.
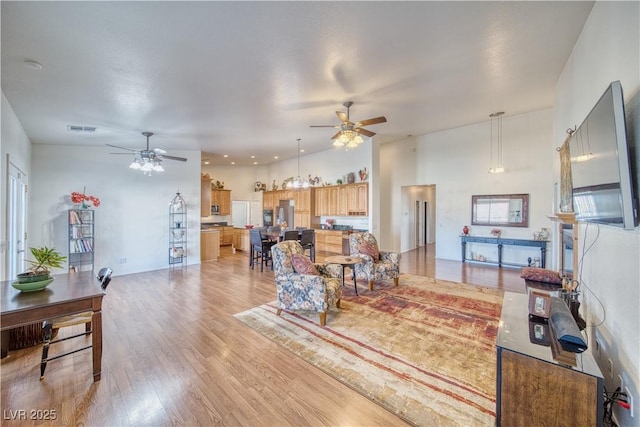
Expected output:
(303, 203)
(226, 236)
(205, 197)
(329, 241)
(209, 245)
(343, 200)
(241, 239)
(223, 199)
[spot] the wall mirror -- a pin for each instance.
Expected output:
(507, 210)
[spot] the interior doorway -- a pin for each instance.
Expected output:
(418, 216)
(16, 220)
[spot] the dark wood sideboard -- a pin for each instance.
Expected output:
(500, 242)
(535, 384)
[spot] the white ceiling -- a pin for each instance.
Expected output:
(249, 78)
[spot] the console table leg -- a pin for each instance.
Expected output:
(464, 250)
(500, 255)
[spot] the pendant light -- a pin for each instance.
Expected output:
(298, 182)
(496, 141)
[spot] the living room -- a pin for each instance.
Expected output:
(135, 207)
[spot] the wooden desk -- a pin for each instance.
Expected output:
(67, 294)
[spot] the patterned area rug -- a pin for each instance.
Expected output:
(424, 350)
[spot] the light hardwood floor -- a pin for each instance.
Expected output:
(175, 355)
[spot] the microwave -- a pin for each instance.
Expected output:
(215, 209)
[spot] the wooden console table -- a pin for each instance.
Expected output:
(500, 242)
(534, 387)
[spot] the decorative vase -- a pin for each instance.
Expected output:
(465, 230)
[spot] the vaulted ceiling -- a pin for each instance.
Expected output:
(249, 78)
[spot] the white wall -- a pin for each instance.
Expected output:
(457, 161)
(132, 221)
(15, 147)
(608, 49)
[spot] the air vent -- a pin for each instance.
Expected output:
(73, 128)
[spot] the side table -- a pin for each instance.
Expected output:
(345, 261)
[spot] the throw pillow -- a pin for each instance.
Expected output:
(303, 265)
(541, 275)
(371, 249)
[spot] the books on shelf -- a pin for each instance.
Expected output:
(81, 245)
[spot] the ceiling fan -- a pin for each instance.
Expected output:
(350, 131)
(148, 160)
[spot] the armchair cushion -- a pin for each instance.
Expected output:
(302, 265)
(369, 248)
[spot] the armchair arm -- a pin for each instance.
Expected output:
(329, 270)
(390, 256)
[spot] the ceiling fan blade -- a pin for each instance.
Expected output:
(373, 121)
(128, 154)
(325, 126)
(159, 151)
(122, 148)
(366, 132)
(164, 156)
(344, 117)
(336, 135)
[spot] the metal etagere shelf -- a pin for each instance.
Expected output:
(81, 239)
(177, 231)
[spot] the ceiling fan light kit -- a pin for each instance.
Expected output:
(349, 135)
(148, 161)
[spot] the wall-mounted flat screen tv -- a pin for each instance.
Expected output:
(602, 181)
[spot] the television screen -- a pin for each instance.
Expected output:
(603, 190)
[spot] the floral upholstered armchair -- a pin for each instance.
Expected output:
(376, 264)
(302, 285)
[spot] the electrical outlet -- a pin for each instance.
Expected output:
(610, 368)
(620, 382)
(629, 400)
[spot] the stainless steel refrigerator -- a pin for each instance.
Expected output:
(285, 213)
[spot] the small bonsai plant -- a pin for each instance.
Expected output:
(45, 260)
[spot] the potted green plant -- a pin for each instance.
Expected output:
(45, 260)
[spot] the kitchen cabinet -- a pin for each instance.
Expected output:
(329, 241)
(241, 239)
(205, 197)
(226, 237)
(223, 199)
(209, 245)
(342, 200)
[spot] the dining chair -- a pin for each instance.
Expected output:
(291, 235)
(48, 326)
(260, 249)
(308, 241)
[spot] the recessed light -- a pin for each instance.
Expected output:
(275, 157)
(225, 156)
(206, 162)
(302, 151)
(255, 163)
(253, 157)
(233, 163)
(33, 65)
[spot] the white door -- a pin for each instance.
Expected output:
(17, 220)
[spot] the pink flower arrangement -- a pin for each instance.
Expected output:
(78, 198)
(496, 232)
